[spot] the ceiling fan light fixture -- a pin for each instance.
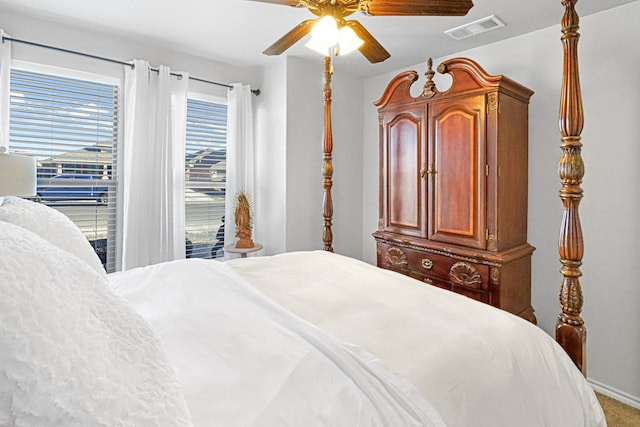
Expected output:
(318, 46)
(348, 41)
(324, 35)
(328, 40)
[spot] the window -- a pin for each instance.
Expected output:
(205, 176)
(70, 125)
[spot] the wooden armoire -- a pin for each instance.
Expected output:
(453, 184)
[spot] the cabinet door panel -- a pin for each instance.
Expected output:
(458, 181)
(403, 151)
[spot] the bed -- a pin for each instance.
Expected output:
(303, 338)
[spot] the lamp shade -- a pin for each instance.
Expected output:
(348, 40)
(328, 40)
(17, 175)
(324, 35)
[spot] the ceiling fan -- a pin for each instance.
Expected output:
(339, 9)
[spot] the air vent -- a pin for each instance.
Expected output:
(476, 27)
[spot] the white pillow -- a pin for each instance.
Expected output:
(72, 353)
(51, 225)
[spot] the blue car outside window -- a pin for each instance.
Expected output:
(62, 188)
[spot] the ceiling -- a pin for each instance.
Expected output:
(237, 31)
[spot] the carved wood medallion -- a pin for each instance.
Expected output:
(464, 274)
(395, 257)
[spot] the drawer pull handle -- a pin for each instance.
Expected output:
(427, 280)
(427, 263)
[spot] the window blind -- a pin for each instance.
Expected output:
(205, 177)
(70, 126)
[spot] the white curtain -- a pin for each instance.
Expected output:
(240, 154)
(151, 176)
(5, 70)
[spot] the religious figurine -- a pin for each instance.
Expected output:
(243, 221)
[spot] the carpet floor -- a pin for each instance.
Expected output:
(618, 414)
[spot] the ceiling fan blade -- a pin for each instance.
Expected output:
(418, 7)
(288, 40)
(371, 49)
(282, 2)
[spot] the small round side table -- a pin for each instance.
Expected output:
(242, 251)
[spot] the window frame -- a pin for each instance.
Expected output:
(202, 97)
(100, 79)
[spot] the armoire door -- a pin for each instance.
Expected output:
(457, 172)
(402, 156)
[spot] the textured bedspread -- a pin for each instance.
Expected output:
(73, 354)
(477, 365)
(244, 361)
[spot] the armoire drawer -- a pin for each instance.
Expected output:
(476, 293)
(435, 281)
(465, 274)
(428, 263)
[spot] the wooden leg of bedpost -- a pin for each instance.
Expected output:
(573, 339)
(570, 330)
(327, 167)
(571, 333)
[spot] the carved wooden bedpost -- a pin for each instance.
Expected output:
(327, 167)
(570, 330)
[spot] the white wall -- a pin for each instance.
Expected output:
(305, 110)
(304, 154)
(111, 46)
(609, 67)
(271, 173)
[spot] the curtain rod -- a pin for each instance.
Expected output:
(115, 61)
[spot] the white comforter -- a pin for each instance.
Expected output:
(244, 361)
(477, 365)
